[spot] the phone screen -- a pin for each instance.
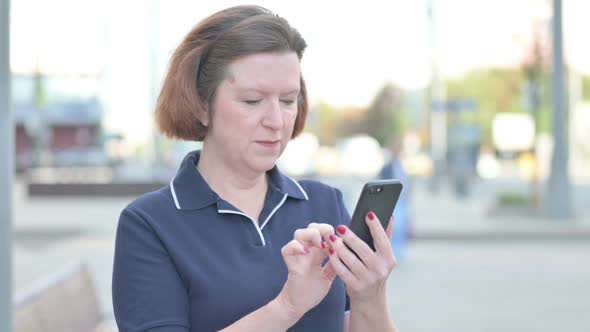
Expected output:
(380, 197)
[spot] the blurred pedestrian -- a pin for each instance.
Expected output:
(402, 227)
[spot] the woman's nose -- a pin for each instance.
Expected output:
(273, 117)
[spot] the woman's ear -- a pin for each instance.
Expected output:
(204, 117)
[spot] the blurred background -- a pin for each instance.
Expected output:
(469, 102)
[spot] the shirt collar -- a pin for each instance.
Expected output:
(190, 191)
(284, 184)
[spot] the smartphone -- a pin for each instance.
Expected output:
(377, 196)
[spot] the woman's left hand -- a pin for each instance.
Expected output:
(365, 278)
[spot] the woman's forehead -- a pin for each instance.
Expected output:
(265, 71)
(263, 90)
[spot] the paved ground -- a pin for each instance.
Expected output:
(445, 283)
(494, 286)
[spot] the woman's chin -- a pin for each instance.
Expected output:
(263, 164)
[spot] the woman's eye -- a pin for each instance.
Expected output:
(288, 101)
(253, 102)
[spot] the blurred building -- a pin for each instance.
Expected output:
(64, 129)
(58, 130)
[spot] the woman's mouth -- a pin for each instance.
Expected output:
(268, 144)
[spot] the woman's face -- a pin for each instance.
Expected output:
(254, 111)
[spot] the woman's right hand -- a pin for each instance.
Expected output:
(307, 281)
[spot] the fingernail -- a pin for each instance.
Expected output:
(307, 250)
(333, 238)
(331, 251)
(341, 229)
(323, 245)
(371, 215)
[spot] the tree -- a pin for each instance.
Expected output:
(322, 122)
(494, 90)
(384, 119)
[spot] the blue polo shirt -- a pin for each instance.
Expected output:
(186, 260)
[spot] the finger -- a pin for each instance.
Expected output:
(325, 229)
(382, 244)
(329, 272)
(309, 236)
(320, 255)
(341, 270)
(356, 244)
(389, 230)
(354, 264)
(294, 248)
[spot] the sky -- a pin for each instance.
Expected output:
(353, 49)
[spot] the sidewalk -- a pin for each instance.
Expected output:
(50, 233)
(442, 215)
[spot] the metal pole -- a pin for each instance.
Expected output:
(559, 196)
(154, 40)
(6, 171)
(438, 118)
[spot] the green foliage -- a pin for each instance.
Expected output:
(513, 199)
(586, 88)
(384, 120)
(501, 90)
(322, 122)
(494, 90)
(40, 92)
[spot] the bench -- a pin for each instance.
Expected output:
(65, 302)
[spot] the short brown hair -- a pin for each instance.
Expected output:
(200, 62)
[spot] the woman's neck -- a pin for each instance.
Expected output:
(231, 184)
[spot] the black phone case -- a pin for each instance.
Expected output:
(377, 196)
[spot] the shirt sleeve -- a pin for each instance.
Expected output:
(344, 220)
(148, 293)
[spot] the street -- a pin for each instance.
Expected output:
(498, 286)
(442, 284)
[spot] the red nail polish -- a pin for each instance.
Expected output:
(331, 251)
(323, 245)
(371, 215)
(341, 229)
(333, 238)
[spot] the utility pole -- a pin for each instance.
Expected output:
(154, 85)
(438, 116)
(6, 170)
(559, 200)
